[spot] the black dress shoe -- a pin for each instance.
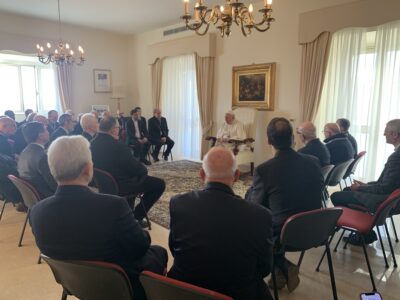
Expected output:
(146, 162)
(143, 223)
(166, 157)
(155, 158)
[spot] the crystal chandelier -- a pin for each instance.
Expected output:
(225, 15)
(62, 54)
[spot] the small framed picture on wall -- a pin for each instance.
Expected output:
(102, 81)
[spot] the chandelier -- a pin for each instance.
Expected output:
(62, 54)
(225, 15)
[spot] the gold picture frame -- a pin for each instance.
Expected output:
(254, 86)
(102, 81)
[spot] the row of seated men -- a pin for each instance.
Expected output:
(340, 145)
(218, 240)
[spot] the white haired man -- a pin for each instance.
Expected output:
(90, 126)
(338, 144)
(79, 224)
(232, 129)
(218, 240)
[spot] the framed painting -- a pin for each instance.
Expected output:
(100, 108)
(254, 86)
(102, 81)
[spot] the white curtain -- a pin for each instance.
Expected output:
(180, 106)
(363, 84)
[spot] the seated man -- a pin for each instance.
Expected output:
(116, 158)
(138, 136)
(372, 194)
(158, 135)
(7, 129)
(218, 240)
(78, 224)
(287, 184)
(52, 117)
(10, 114)
(344, 126)
(230, 130)
(313, 146)
(27, 113)
(32, 163)
(338, 144)
(90, 126)
(65, 128)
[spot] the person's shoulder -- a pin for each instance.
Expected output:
(309, 158)
(42, 205)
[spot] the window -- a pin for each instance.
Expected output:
(26, 83)
(362, 84)
(180, 105)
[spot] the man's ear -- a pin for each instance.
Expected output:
(87, 170)
(202, 174)
(236, 175)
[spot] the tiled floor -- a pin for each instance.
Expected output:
(22, 278)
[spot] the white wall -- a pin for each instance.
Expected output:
(279, 44)
(104, 50)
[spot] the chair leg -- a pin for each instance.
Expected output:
(394, 228)
(64, 295)
(23, 229)
(273, 275)
(391, 246)
(371, 276)
(39, 259)
(340, 185)
(145, 212)
(338, 242)
(331, 272)
(345, 244)
(300, 259)
(323, 254)
(383, 248)
(252, 168)
(4, 206)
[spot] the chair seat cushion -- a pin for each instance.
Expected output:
(356, 220)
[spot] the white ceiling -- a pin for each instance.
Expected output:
(123, 16)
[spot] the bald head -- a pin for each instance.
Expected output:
(7, 126)
(41, 119)
(331, 129)
(219, 165)
(157, 113)
(307, 131)
(89, 123)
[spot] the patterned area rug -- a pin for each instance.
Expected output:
(180, 177)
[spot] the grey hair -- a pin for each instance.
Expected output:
(394, 125)
(218, 164)
(88, 120)
(67, 156)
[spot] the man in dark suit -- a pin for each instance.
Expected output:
(344, 125)
(52, 116)
(138, 136)
(19, 139)
(65, 128)
(338, 144)
(313, 146)
(90, 126)
(218, 240)
(372, 194)
(78, 224)
(27, 113)
(158, 135)
(116, 158)
(7, 129)
(32, 163)
(287, 184)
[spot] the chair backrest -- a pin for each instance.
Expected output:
(248, 117)
(353, 166)
(29, 194)
(326, 171)
(159, 287)
(338, 172)
(385, 208)
(318, 225)
(91, 279)
(105, 182)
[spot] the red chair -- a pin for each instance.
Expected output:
(362, 222)
(353, 167)
(90, 280)
(159, 287)
(294, 239)
(107, 184)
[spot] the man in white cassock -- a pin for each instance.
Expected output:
(231, 130)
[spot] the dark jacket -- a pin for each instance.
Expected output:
(60, 131)
(5, 146)
(19, 140)
(221, 242)
(52, 127)
(353, 142)
(130, 128)
(340, 148)
(8, 166)
(158, 128)
(79, 224)
(87, 136)
(287, 184)
(116, 158)
(374, 193)
(33, 167)
(317, 149)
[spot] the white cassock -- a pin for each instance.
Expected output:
(234, 131)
